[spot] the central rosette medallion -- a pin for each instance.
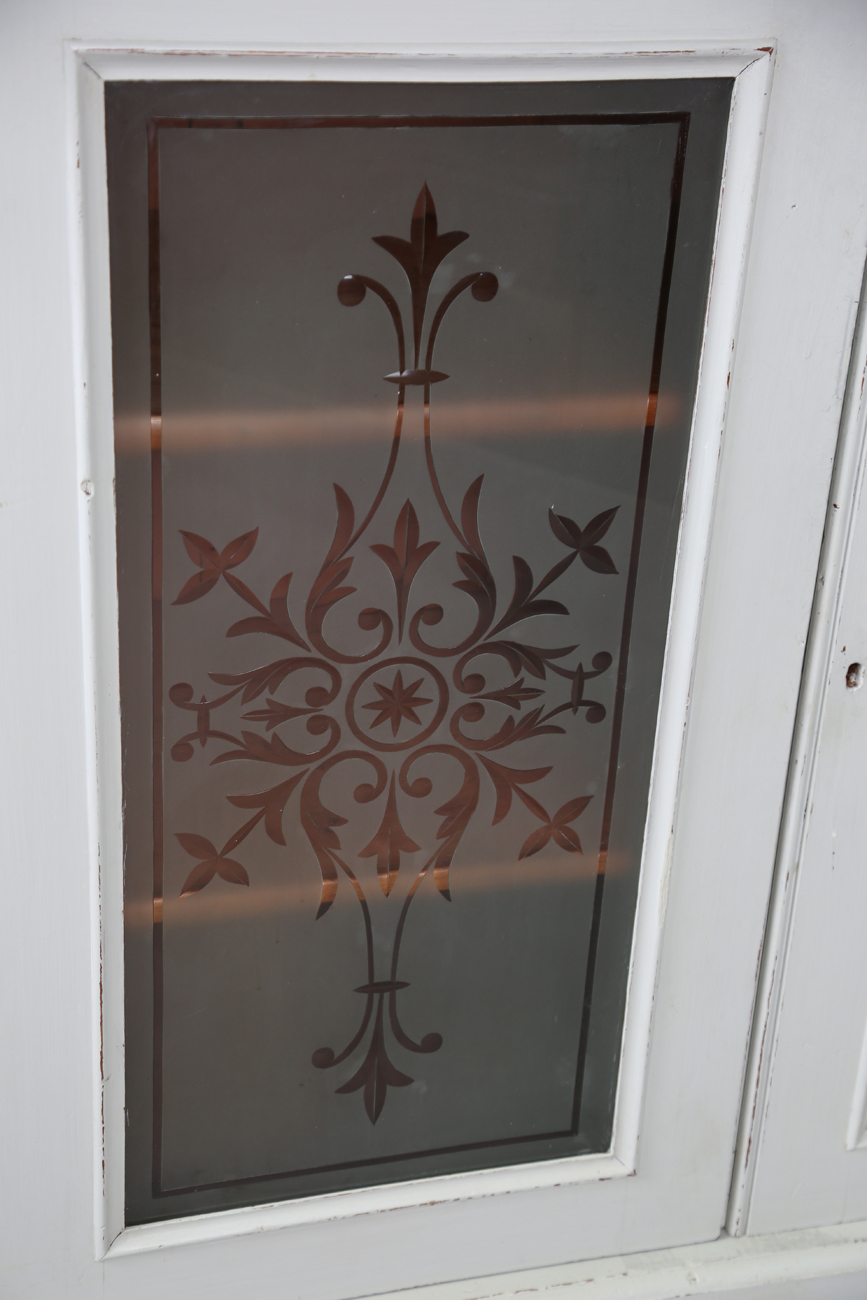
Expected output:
(397, 703)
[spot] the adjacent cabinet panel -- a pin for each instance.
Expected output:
(811, 1140)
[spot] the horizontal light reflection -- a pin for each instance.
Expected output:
(211, 430)
(239, 904)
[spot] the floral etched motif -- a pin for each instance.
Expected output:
(396, 702)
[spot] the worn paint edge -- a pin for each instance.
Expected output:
(846, 483)
(87, 225)
(726, 1267)
(734, 225)
(739, 183)
(401, 62)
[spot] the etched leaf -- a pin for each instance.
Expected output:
(196, 845)
(277, 621)
(479, 585)
(404, 559)
(523, 581)
(279, 597)
(574, 808)
(457, 813)
(388, 843)
(241, 589)
(567, 838)
(522, 606)
(597, 559)
(402, 251)
(598, 526)
(198, 585)
(318, 823)
(241, 834)
(327, 589)
(576, 694)
(274, 802)
(532, 659)
(238, 550)
(232, 871)
(255, 682)
(275, 713)
(565, 530)
(585, 540)
(200, 550)
(345, 524)
(507, 781)
(260, 750)
(554, 573)
(513, 696)
(470, 517)
(532, 724)
(533, 843)
(202, 874)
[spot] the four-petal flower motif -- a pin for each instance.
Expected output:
(492, 644)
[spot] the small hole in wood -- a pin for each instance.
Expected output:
(854, 676)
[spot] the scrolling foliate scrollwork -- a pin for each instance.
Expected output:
(394, 702)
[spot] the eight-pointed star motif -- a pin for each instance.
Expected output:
(397, 702)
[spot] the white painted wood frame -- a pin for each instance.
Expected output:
(584, 1177)
(802, 1148)
(665, 1182)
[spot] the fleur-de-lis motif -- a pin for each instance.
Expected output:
(404, 559)
(420, 256)
(388, 843)
(412, 700)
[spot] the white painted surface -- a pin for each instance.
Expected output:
(823, 1264)
(85, 66)
(62, 868)
(821, 1097)
(556, 1195)
(811, 1155)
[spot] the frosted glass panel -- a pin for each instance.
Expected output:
(403, 384)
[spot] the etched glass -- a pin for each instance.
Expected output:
(403, 386)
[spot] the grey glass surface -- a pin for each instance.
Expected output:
(380, 894)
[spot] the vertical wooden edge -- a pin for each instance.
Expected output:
(91, 334)
(856, 1137)
(846, 485)
(731, 250)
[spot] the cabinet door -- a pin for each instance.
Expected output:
(566, 948)
(810, 1165)
(419, 772)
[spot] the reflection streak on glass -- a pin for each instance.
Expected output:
(400, 660)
